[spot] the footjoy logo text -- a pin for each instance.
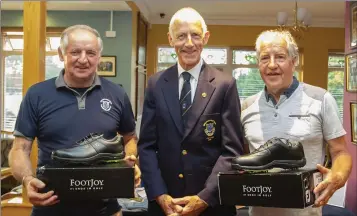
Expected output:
(254, 191)
(89, 184)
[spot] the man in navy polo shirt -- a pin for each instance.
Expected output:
(60, 111)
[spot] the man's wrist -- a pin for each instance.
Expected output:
(129, 153)
(160, 197)
(26, 179)
(340, 179)
(203, 202)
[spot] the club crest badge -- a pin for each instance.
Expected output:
(209, 129)
(105, 104)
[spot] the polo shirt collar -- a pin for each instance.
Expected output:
(61, 83)
(288, 92)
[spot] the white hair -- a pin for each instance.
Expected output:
(188, 15)
(69, 30)
(271, 36)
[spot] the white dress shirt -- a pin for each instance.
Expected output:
(195, 73)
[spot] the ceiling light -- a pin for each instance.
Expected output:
(302, 21)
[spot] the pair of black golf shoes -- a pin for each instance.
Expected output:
(276, 152)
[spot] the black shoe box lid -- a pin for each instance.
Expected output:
(275, 188)
(86, 183)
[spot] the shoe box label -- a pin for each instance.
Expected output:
(86, 184)
(82, 183)
(285, 189)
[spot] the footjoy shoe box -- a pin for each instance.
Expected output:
(282, 189)
(82, 183)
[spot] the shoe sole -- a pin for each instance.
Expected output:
(98, 158)
(284, 164)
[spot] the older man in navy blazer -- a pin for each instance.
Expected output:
(190, 127)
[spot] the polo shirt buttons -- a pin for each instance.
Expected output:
(180, 175)
(275, 115)
(184, 152)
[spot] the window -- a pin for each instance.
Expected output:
(12, 89)
(166, 57)
(217, 57)
(335, 78)
(246, 72)
(53, 65)
(12, 73)
(241, 63)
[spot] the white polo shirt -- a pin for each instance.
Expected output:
(309, 114)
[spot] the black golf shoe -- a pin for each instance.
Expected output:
(92, 149)
(275, 153)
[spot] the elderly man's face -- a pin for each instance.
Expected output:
(276, 66)
(188, 40)
(81, 56)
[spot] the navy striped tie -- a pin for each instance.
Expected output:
(185, 98)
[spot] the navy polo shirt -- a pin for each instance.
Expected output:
(59, 116)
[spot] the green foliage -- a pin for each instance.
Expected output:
(335, 84)
(248, 81)
(337, 61)
(335, 87)
(252, 59)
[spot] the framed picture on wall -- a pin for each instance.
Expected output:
(107, 66)
(353, 25)
(354, 122)
(351, 72)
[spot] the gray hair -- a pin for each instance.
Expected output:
(69, 30)
(270, 36)
(189, 15)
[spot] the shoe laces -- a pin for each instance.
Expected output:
(87, 139)
(272, 141)
(288, 143)
(264, 146)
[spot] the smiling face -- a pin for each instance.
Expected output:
(276, 66)
(81, 58)
(188, 40)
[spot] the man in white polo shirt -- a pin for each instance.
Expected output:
(287, 108)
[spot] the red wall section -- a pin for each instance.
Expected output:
(351, 195)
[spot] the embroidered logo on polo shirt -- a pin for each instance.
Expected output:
(106, 104)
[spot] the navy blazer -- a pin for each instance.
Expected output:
(182, 162)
